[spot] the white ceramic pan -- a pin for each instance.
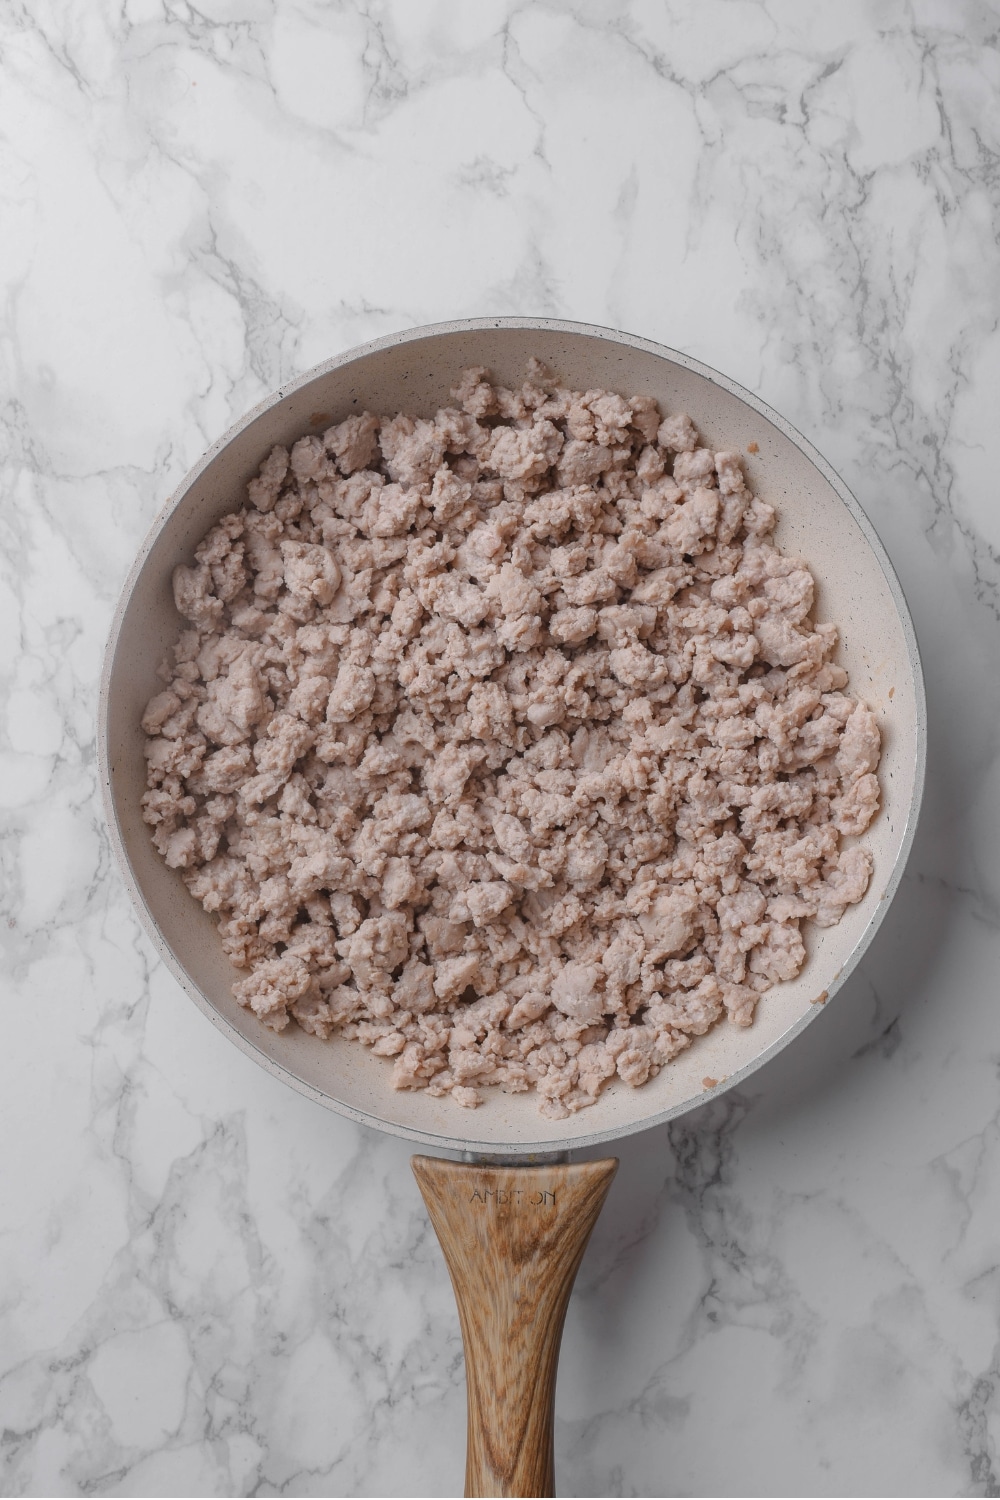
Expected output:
(819, 518)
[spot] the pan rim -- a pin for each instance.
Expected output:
(546, 1146)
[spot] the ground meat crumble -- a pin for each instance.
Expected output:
(504, 742)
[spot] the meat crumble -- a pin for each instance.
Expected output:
(504, 742)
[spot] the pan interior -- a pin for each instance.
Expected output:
(856, 589)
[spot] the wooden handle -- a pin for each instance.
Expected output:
(513, 1238)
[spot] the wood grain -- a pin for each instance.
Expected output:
(513, 1238)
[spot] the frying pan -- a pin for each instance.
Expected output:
(514, 1232)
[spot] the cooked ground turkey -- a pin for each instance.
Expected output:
(505, 743)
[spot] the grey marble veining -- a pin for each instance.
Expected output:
(211, 1286)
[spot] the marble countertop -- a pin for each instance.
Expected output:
(210, 1286)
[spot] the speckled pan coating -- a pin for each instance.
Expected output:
(856, 588)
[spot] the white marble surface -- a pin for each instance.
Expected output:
(209, 1286)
